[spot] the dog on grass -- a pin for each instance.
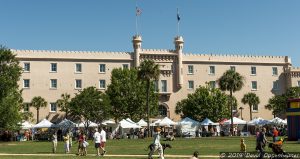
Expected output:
(164, 146)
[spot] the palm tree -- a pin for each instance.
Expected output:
(148, 71)
(251, 99)
(64, 103)
(37, 103)
(231, 81)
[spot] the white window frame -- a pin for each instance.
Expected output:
(212, 84)
(190, 69)
(26, 69)
(253, 72)
(52, 82)
(51, 107)
(76, 68)
(274, 71)
(51, 67)
(101, 84)
(212, 70)
(275, 85)
(27, 87)
(127, 66)
(255, 110)
(76, 84)
(298, 83)
(156, 88)
(252, 84)
(164, 86)
(100, 68)
(191, 84)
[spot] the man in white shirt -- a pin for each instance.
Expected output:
(103, 141)
(157, 145)
(97, 140)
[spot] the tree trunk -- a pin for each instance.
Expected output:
(231, 113)
(37, 115)
(250, 112)
(148, 108)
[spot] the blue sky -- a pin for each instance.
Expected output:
(252, 27)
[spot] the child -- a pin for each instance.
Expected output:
(243, 145)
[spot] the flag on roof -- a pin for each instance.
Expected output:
(178, 16)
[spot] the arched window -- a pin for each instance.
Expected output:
(162, 110)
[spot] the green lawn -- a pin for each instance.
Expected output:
(181, 146)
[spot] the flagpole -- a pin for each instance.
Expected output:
(136, 18)
(178, 22)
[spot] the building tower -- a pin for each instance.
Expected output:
(137, 46)
(178, 41)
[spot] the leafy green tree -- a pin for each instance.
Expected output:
(278, 102)
(127, 95)
(204, 103)
(90, 105)
(251, 99)
(64, 103)
(148, 71)
(231, 81)
(38, 102)
(10, 96)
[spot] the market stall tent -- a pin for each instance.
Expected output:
(44, 124)
(235, 121)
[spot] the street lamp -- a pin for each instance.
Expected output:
(241, 108)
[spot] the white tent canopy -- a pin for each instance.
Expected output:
(207, 121)
(235, 121)
(91, 124)
(142, 123)
(278, 121)
(26, 125)
(188, 125)
(44, 124)
(258, 121)
(155, 123)
(128, 119)
(66, 124)
(166, 122)
(126, 124)
(108, 122)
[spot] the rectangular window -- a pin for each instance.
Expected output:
(255, 108)
(26, 107)
(26, 83)
(275, 85)
(102, 84)
(298, 83)
(164, 85)
(102, 68)
(254, 85)
(53, 67)
(253, 70)
(53, 107)
(191, 84)
(275, 71)
(232, 68)
(53, 83)
(212, 70)
(125, 66)
(78, 68)
(212, 84)
(26, 67)
(190, 69)
(78, 84)
(155, 83)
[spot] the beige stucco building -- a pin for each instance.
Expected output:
(52, 73)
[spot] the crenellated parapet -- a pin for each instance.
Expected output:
(94, 55)
(293, 72)
(224, 58)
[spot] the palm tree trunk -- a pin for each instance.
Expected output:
(250, 112)
(37, 115)
(231, 113)
(148, 108)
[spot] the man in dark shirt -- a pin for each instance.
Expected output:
(261, 142)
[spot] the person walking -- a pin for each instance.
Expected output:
(103, 141)
(261, 142)
(66, 138)
(275, 134)
(54, 141)
(97, 140)
(70, 139)
(157, 145)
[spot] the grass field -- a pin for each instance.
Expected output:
(181, 146)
